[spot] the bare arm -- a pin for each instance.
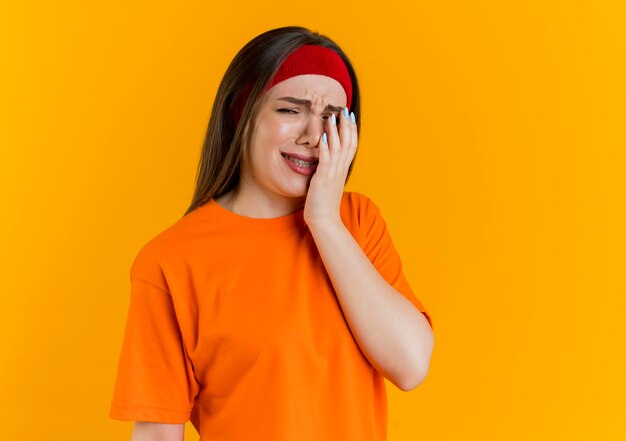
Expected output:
(392, 333)
(148, 431)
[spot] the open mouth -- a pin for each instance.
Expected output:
(299, 162)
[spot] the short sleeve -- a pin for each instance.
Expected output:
(155, 380)
(379, 248)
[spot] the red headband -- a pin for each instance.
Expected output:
(306, 59)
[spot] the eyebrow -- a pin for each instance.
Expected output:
(295, 100)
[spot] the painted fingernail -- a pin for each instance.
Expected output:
(333, 118)
(345, 112)
(352, 118)
(324, 138)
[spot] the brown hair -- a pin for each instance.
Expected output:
(254, 65)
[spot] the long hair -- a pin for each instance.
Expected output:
(254, 65)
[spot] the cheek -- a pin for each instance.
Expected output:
(276, 134)
(266, 147)
(279, 130)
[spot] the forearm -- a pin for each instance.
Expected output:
(392, 333)
(149, 431)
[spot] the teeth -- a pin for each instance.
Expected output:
(299, 161)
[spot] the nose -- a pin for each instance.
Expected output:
(312, 130)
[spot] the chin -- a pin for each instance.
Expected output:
(299, 190)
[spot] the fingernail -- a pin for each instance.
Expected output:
(352, 118)
(333, 118)
(324, 138)
(345, 112)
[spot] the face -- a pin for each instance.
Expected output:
(290, 127)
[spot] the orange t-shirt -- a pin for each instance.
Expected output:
(234, 324)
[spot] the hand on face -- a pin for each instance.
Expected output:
(327, 183)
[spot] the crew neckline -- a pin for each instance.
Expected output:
(289, 222)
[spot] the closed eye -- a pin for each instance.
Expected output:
(290, 111)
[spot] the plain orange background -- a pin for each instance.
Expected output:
(493, 138)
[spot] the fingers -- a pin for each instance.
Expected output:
(334, 144)
(345, 127)
(324, 152)
(353, 140)
(342, 140)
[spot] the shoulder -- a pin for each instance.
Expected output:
(359, 214)
(154, 253)
(361, 206)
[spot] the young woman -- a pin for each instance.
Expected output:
(276, 306)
